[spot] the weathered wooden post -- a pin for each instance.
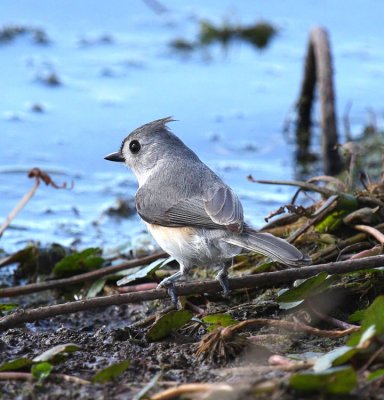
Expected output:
(318, 68)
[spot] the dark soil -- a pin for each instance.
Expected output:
(104, 338)
(108, 336)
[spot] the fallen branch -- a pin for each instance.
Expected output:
(81, 278)
(266, 279)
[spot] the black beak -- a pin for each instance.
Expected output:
(115, 157)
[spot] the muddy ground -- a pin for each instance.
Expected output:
(106, 336)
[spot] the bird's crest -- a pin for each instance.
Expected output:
(158, 124)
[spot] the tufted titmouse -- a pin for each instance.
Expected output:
(192, 214)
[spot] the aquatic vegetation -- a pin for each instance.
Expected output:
(258, 35)
(8, 33)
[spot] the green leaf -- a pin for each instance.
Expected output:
(305, 288)
(111, 372)
(373, 315)
(79, 262)
(218, 320)
(357, 316)
(26, 255)
(4, 307)
(145, 271)
(367, 336)
(167, 323)
(16, 364)
(346, 203)
(338, 380)
(287, 305)
(96, 287)
(57, 352)
(41, 370)
(333, 358)
(376, 374)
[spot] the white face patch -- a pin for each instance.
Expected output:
(141, 163)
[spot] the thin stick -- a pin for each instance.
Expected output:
(20, 205)
(266, 279)
(189, 388)
(81, 278)
(371, 231)
(318, 217)
(27, 376)
(334, 250)
(39, 176)
(288, 325)
(303, 185)
(327, 318)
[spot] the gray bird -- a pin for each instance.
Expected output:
(192, 214)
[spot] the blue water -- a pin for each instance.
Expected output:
(230, 105)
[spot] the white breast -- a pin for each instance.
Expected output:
(191, 246)
(178, 242)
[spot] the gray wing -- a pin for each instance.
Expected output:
(223, 207)
(220, 207)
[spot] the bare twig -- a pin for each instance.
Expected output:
(224, 343)
(371, 231)
(189, 388)
(327, 318)
(371, 359)
(142, 394)
(137, 288)
(339, 185)
(27, 376)
(81, 278)
(334, 250)
(303, 185)
(39, 175)
(370, 201)
(288, 325)
(374, 251)
(318, 216)
(267, 279)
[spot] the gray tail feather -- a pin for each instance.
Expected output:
(270, 246)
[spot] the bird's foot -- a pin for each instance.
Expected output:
(222, 277)
(168, 283)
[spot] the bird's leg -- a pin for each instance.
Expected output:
(169, 284)
(222, 277)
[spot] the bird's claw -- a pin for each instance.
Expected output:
(171, 290)
(222, 277)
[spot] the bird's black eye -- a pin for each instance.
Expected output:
(134, 146)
